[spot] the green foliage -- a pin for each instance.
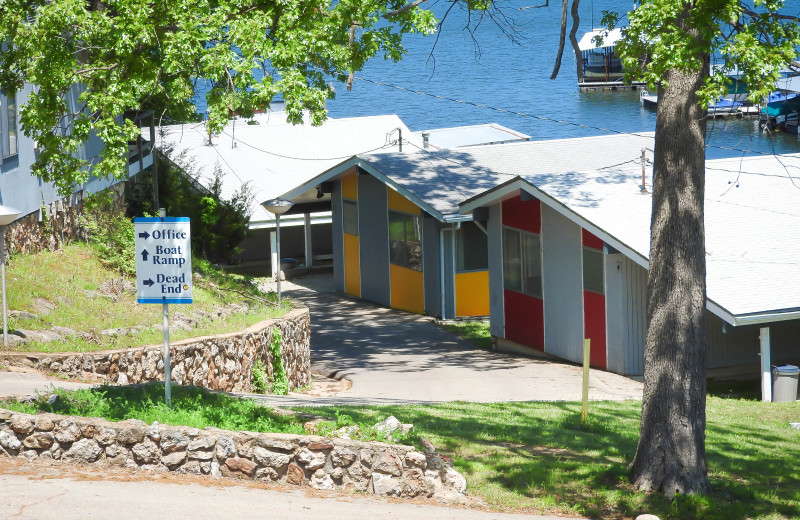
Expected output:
(149, 54)
(280, 383)
(755, 41)
(259, 378)
(218, 224)
(110, 233)
(191, 406)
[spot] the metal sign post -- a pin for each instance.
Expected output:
(163, 270)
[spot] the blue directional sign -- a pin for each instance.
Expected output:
(163, 259)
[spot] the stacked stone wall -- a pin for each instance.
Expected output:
(222, 362)
(318, 462)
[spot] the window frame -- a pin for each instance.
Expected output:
(523, 264)
(354, 205)
(593, 251)
(461, 251)
(6, 151)
(417, 227)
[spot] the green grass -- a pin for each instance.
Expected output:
(69, 277)
(475, 331)
(532, 457)
(191, 406)
(536, 457)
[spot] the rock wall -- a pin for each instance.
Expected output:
(318, 462)
(56, 224)
(223, 362)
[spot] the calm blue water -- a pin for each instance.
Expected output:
(494, 71)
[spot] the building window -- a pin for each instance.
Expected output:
(350, 217)
(8, 126)
(472, 248)
(522, 262)
(593, 271)
(405, 240)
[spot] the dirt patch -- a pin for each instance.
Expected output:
(324, 386)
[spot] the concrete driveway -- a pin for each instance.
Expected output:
(395, 357)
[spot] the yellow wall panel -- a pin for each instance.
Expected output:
(399, 203)
(352, 265)
(407, 289)
(472, 294)
(350, 186)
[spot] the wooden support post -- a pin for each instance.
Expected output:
(766, 366)
(585, 393)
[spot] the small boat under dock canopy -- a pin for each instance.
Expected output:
(601, 67)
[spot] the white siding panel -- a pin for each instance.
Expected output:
(637, 318)
(562, 286)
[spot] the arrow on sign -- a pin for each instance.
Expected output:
(144, 235)
(149, 282)
(144, 255)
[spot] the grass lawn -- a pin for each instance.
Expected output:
(536, 457)
(531, 457)
(191, 406)
(475, 331)
(71, 278)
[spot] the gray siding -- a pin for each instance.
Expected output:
(450, 272)
(626, 314)
(496, 311)
(430, 266)
(742, 345)
(373, 231)
(337, 237)
(737, 346)
(562, 286)
(22, 191)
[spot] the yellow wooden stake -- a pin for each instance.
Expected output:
(585, 394)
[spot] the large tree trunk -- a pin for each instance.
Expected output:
(671, 456)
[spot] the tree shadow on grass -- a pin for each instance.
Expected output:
(537, 456)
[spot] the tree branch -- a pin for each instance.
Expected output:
(403, 9)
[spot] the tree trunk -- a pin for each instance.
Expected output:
(670, 456)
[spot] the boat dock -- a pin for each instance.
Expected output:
(609, 85)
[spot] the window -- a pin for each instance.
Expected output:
(350, 217)
(472, 248)
(8, 126)
(405, 240)
(522, 262)
(593, 271)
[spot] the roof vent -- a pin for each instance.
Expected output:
(426, 140)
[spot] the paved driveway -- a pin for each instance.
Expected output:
(394, 356)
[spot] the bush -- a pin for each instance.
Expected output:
(218, 225)
(107, 229)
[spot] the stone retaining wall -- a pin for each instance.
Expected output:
(223, 362)
(318, 462)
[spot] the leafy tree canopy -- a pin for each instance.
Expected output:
(134, 54)
(756, 41)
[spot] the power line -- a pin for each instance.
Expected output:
(540, 118)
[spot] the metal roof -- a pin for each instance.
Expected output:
(442, 179)
(752, 226)
(471, 135)
(610, 38)
(273, 156)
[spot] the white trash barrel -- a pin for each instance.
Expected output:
(784, 383)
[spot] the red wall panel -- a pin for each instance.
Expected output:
(524, 319)
(525, 215)
(589, 240)
(594, 327)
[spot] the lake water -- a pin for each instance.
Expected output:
(491, 70)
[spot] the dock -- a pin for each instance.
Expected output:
(609, 85)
